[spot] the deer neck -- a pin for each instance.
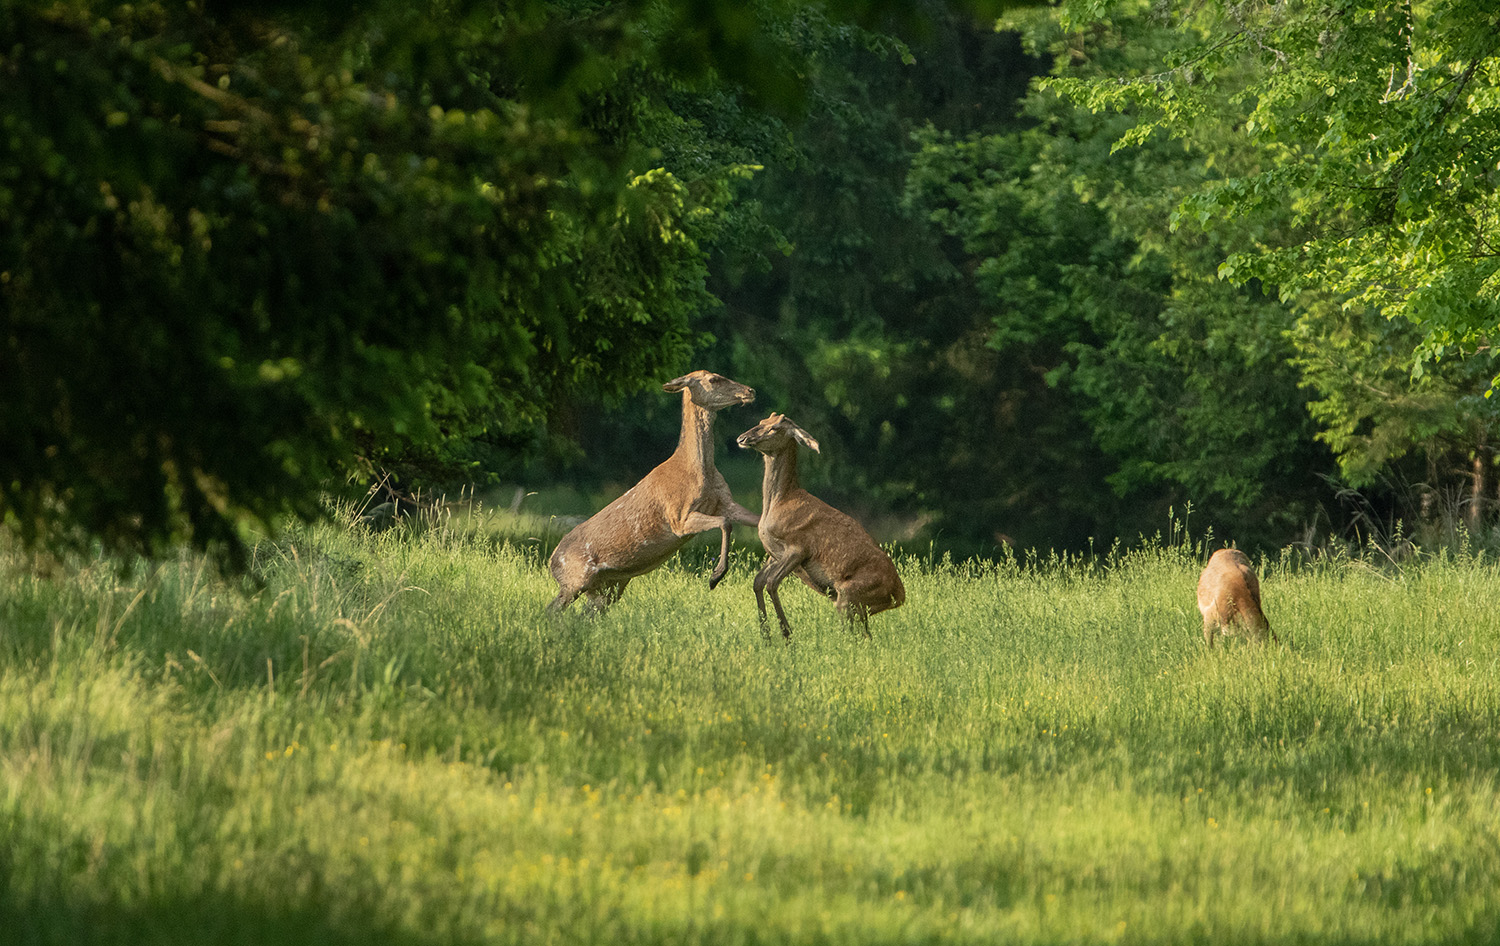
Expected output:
(780, 476)
(695, 448)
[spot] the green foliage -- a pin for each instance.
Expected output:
(1376, 134)
(247, 254)
(1373, 412)
(1338, 169)
(990, 314)
(389, 741)
(855, 321)
(1158, 381)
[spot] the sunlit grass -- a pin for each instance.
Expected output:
(387, 740)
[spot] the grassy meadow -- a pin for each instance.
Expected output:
(383, 739)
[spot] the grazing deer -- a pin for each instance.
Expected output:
(683, 496)
(1229, 596)
(827, 549)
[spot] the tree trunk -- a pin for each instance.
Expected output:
(1479, 487)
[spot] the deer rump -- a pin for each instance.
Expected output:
(1229, 598)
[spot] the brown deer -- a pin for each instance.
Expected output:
(681, 497)
(1229, 598)
(827, 549)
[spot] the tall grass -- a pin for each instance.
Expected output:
(384, 739)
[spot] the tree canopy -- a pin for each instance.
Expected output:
(1374, 128)
(1365, 193)
(246, 251)
(1035, 284)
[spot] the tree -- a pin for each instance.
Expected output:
(1435, 431)
(856, 319)
(247, 251)
(243, 255)
(1136, 379)
(1371, 145)
(1374, 126)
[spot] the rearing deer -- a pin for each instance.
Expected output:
(1229, 595)
(827, 549)
(683, 496)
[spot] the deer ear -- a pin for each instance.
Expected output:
(676, 384)
(806, 439)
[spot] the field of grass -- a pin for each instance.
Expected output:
(386, 740)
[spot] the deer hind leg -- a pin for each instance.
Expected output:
(760, 599)
(1258, 632)
(570, 583)
(767, 581)
(606, 593)
(565, 597)
(856, 614)
(786, 626)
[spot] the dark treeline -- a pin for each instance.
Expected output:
(250, 253)
(986, 315)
